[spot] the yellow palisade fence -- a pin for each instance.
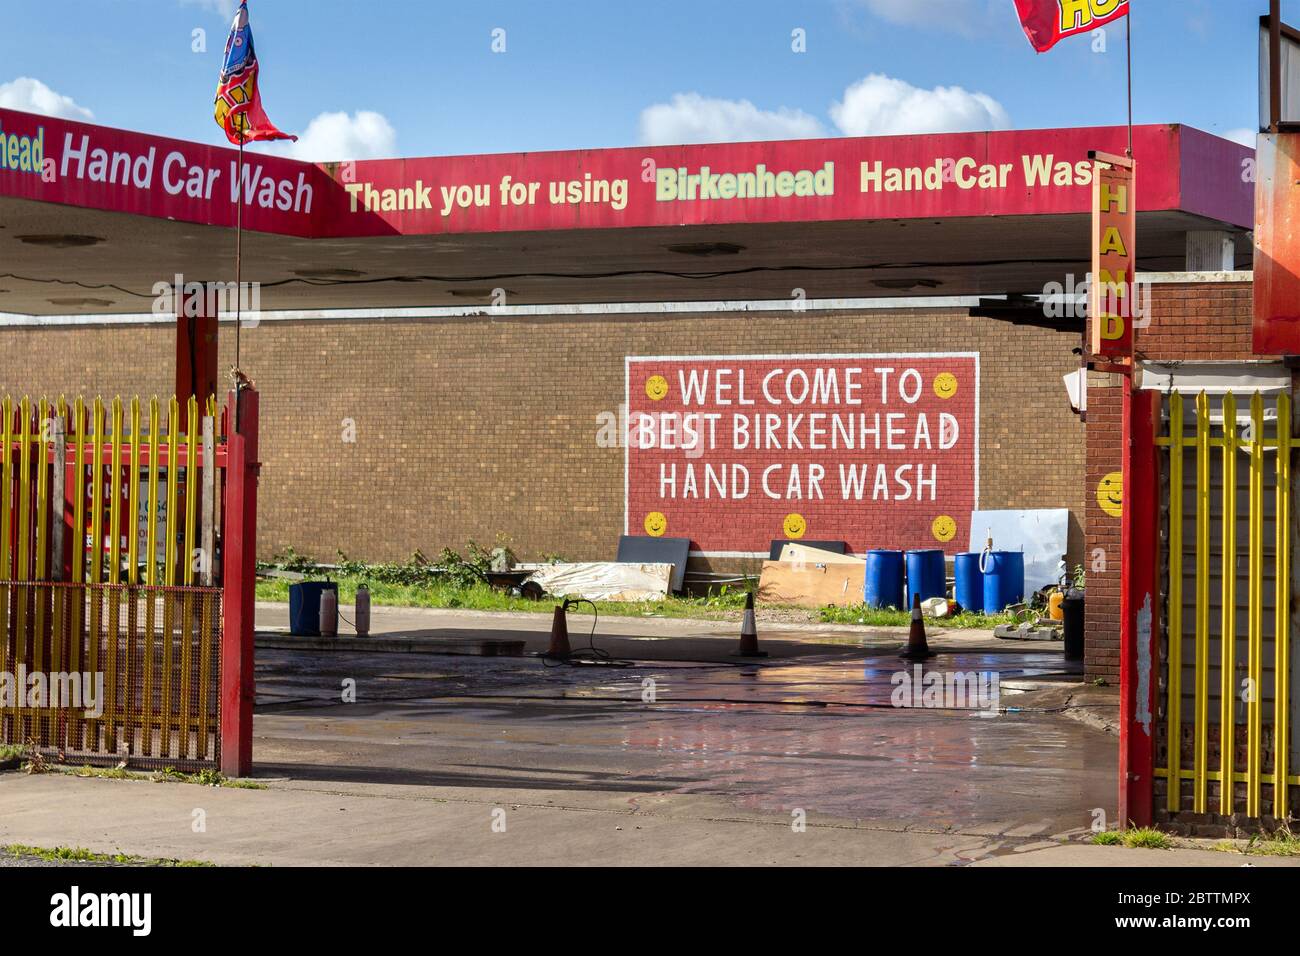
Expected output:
(1237, 740)
(105, 591)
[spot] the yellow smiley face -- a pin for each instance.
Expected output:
(945, 385)
(794, 526)
(944, 528)
(656, 388)
(656, 524)
(1110, 494)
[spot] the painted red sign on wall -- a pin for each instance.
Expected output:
(880, 451)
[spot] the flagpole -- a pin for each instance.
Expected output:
(1128, 49)
(239, 244)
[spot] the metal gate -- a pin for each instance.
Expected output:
(1224, 739)
(110, 618)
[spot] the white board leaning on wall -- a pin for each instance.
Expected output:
(1042, 535)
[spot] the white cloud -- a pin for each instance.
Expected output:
(33, 96)
(883, 106)
(962, 16)
(335, 137)
(1244, 136)
(223, 8)
(692, 118)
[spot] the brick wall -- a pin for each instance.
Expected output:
(1191, 321)
(477, 427)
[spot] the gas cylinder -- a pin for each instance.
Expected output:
(361, 614)
(1054, 609)
(329, 613)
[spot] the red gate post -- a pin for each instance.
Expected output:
(1139, 605)
(239, 564)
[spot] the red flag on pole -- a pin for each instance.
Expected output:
(1047, 22)
(238, 108)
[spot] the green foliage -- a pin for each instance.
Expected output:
(60, 854)
(1107, 838)
(417, 570)
(1147, 838)
(1281, 843)
(891, 617)
(291, 560)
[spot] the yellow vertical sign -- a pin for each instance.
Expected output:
(1112, 292)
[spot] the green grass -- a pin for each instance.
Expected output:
(889, 617)
(204, 778)
(81, 855)
(1147, 838)
(483, 597)
(11, 752)
(723, 603)
(1282, 843)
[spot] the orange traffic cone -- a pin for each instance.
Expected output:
(559, 635)
(749, 632)
(917, 649)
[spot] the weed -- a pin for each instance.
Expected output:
(1281, 843)
(203, 778)
(36, 762)
(1107, 838)
(68, 854)
(891, 617)
(1147, 838)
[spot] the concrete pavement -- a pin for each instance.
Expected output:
(414, 758)
(357, 826)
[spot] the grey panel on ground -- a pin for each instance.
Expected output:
(643, 549)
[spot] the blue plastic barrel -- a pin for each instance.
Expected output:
(969, 581)
(925, 575)
(883, 586)
(304, 606)
(1004, 580)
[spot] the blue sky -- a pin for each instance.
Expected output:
(419, 77)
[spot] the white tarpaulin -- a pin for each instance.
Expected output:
(1041, 535)
(605, 580)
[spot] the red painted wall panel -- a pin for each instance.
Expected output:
(692, 423)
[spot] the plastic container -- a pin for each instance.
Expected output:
(883, 586)
(304, 606)
(969, 581)
(926, 575)
(1004, 580)
(1072, 609)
